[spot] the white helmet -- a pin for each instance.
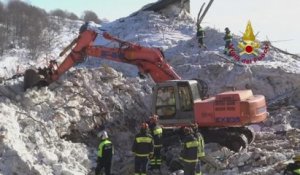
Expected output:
(102, 134)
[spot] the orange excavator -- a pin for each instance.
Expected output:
(223, 118)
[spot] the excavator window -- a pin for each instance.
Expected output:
(166, 102)
(185, 98)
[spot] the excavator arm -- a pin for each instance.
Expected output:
(148, 60)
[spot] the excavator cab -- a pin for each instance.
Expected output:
(173, 101)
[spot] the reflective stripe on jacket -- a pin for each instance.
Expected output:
(156, 132)
(200, 33)
(201, 152)
(143, 145)
(190, 149)
(297, 171)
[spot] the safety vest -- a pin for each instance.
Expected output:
(297, 171)
(201, 152)
(103, 144)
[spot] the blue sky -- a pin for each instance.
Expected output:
(276, 19)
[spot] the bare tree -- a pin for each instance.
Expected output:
(2, 29)
(59, 13)
(2, 12)
(17, 19)
(90, 16)
(72, 16)
(3, 39)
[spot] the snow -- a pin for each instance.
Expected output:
(53, 130)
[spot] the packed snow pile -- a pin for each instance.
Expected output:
(53, 130)
(48, 131)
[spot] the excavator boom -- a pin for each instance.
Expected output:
(148, 60)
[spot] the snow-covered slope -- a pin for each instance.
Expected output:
(53, 130)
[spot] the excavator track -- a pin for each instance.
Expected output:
(237, 142)
(232, 138)
(248, 132)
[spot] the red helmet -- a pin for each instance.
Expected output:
(144, 126)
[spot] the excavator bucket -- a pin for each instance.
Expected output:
(33, 79)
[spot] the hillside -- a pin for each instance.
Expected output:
(53, 130)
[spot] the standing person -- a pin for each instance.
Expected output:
(201, 152)
(156, 132)
(189, 151)
(105, 153)
(200, 35)
(143, 149)
(293, 168)
(228, 39)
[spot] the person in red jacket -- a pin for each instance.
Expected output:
(143, 149)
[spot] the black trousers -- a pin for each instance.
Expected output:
(140, 165)
(200, 41)
(155, 161)
(103, 163)
(189, 168)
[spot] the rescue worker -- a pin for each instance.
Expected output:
(228, 39)
(200, 153)
(200, 35)
(143, 149)
(156, 132)
(105, 153)
(188, 155)
(293, 168)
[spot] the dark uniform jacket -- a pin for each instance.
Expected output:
(200, 33)
(143, 145)
(105, 150)
(156, 132)
(190, 149)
